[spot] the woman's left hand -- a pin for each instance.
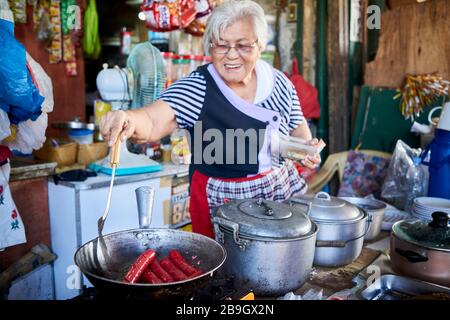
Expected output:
(312, 162)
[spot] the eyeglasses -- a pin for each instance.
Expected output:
(240, 48)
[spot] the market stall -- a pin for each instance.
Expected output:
(224, 150)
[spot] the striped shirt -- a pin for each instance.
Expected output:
(186, 97)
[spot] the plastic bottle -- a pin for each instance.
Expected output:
(416, 183)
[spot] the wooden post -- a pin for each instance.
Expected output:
(309, 41)
(338, 75)
(300, 35)
(321, 73)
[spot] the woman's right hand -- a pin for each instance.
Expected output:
(117, 124)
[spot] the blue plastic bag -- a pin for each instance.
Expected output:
(19, 97)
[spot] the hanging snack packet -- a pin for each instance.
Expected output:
(56, 45)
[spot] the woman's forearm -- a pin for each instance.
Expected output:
(153, 122)
(143, 125)
(302, 131)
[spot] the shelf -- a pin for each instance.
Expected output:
(180, 225)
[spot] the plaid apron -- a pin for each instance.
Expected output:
(207, 193)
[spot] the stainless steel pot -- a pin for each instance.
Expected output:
(270, 245)
(106, 259)
(342, 227)
(422, 250)
(375, 209)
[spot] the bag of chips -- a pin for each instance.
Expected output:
(165, 15)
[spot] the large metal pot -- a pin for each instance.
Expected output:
(270, 245)
(422, 250)
(342, 227)
(375, 209)
(105, 259)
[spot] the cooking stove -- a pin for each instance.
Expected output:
(219, 288)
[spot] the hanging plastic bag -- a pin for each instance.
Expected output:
(12, 231)
(43, 82)
(5, 130)
(395, 185)
(18, 95)
(91, 38)
(30, 135)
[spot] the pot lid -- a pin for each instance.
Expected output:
(365, 203)
(329, 209)
(264, 218)
(76, 124)
(432, 235)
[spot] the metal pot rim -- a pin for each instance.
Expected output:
(364, 216)
(210, 272)
(311, 233)
(357, 201)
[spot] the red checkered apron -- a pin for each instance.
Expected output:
(207, 193)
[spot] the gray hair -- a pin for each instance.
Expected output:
(229, 13)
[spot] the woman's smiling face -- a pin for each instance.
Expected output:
(237, 65)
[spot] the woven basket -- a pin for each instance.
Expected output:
(88, 153)
(63, 155)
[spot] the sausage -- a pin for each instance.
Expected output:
(149, 277)
(178, 260)
(139, 266)
(160, 272)
(176, 273)
(195, 274)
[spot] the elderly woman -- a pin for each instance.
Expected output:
(237, 98)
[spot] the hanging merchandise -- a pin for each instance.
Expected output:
(68, 19)
(30, 135)
(77, 33)
(420, 91)
(68, 23)
(168, 15)
(198, 26)
(91, 37)
(69, 56)
(68, 16)
(41, 22)
(19, 9)
(19, 97)
(55, 55)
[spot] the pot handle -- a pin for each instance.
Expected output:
(341, 244)
(233, 226)
(269, 210)
(306, 203)
(334, 244)
(322, 196)
(411, 256)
